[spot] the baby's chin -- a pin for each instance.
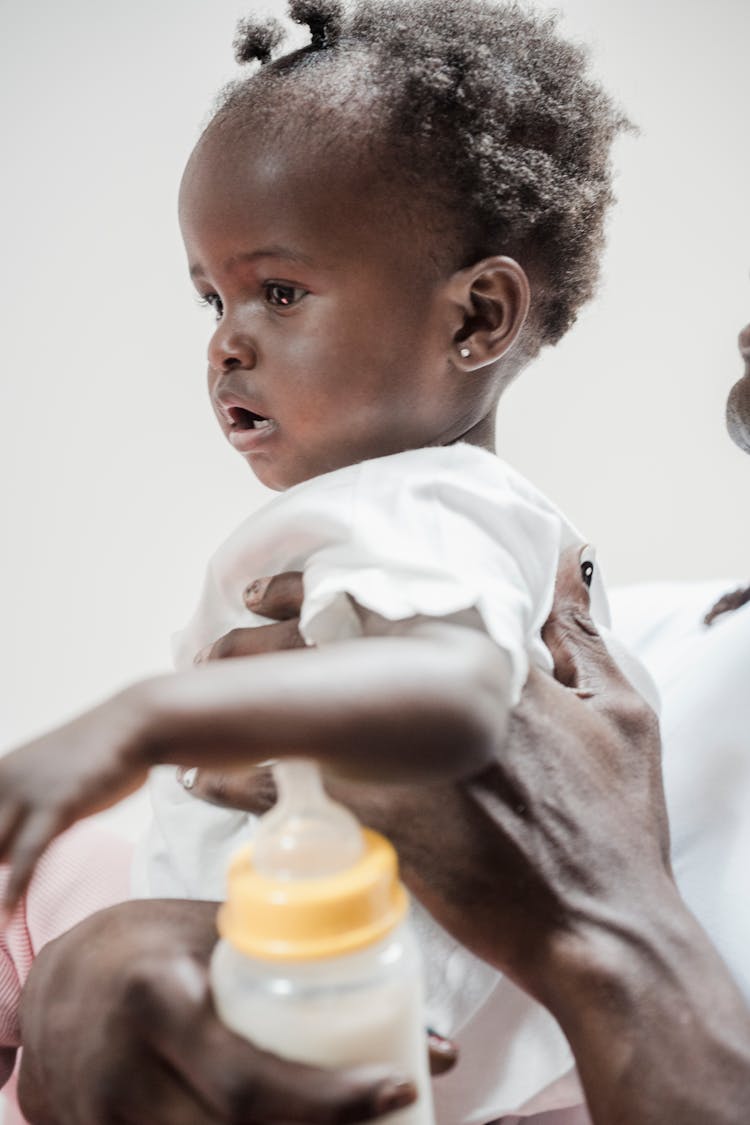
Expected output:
(277, 477)
(738, 413)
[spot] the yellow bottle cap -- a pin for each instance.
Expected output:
(302, 919)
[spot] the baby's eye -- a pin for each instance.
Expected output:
(212, 301)
(283, 296)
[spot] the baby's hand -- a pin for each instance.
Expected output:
(48, 784)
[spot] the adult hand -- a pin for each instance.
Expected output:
(118, 1029)
(279, 598)
(570, 825)
(553, 865)
(538, 835)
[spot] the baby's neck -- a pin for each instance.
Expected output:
(481, 434)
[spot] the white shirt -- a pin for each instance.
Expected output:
(703, 674)
(433, 532)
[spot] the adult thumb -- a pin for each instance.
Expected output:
(588, 658)
(580, 656)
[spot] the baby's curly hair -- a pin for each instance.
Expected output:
(482, 109)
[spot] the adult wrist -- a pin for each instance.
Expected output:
(615, 951)
(658, 1027)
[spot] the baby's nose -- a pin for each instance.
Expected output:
(230, 348)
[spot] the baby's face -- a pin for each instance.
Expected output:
(330, 346)
(738, 406)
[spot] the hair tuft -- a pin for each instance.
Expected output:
(256, 41)
(323, 17)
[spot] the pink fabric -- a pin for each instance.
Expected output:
(85, 870)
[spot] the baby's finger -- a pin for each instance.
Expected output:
(279, 597)
(30, 842)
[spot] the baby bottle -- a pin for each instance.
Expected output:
(316, 960)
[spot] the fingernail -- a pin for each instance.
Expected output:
(203, 656)
(187, 777)
(255, 591)
(439, 1042)
(395, 1095)
(587, 560)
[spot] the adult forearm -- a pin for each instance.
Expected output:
(392, 706)
(659, 1030)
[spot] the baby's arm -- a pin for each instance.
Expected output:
(431, 705)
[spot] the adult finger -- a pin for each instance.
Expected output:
(279, 597)
(159, 1096)
(600, 671)
(443, 1053)
(251, 790)
(581, 658)
(239, 1081)
(253, 642)
(7, 1063)
(11, 818)
(246, 1084)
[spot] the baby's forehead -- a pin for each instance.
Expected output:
(253, 155)
(256, 187)
(328, 139)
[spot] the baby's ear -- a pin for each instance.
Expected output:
(496, 300)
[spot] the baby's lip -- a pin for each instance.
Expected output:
(233, 409)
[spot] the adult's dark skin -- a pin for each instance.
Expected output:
(572, 896)
(119, 1029)
(142, 967)
(499, 821)
(738, 425)
(554, 866)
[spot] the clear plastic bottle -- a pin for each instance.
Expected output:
(316, 960)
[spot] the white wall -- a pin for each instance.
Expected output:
(623, 422)
(116, 484)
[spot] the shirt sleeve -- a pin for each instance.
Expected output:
(85, 870)
(436, 544)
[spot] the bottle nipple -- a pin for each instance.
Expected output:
(306, 835)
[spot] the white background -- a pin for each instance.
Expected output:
(116, 484)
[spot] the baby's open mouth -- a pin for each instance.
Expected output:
(246, 419)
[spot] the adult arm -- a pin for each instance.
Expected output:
(658, 1027)
(553, 865)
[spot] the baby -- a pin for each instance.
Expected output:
(389, 224)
